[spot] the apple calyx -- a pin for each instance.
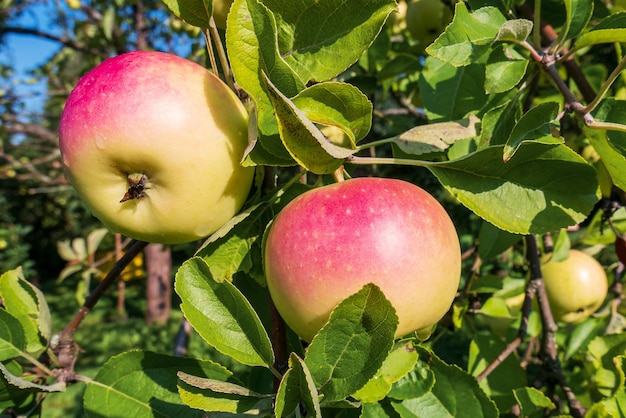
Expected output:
(137, 183)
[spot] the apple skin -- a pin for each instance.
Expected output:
(576, 287)
(426, 20)
(166, 118)
(329, 242)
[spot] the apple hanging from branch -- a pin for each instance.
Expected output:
(329, 242)
(152, 143)
(576, 287)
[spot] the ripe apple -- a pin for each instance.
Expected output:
(152, 143)
(329, 242)
(426, 20)
(576, 286)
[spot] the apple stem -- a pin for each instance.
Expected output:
(353, 159)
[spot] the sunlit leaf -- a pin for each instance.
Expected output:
(534, 125)
(28, 305)
(214, 395)
(194, 12)
(142, 384)
(353, 344)
(297, 386)
(222, 315)
(436, 137)
(304, 141)
(542, 188)
(469, 36)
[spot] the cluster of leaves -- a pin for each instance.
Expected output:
(505, 135)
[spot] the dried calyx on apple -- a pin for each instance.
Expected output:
(329, 242)
(166, 136)
(137, 183)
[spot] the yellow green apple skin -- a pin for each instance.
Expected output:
(576, 287)
(152, 143)
(426, 20)
(329, 242)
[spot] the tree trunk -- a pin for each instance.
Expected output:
(159, 282)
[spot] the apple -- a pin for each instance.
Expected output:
(397, 18)
(220, 12)
(152, 144)
(576, 286)
(329, 242)
(426, 20)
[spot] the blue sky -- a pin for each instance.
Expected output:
(26, 52)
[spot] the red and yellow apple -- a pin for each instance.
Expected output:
(329, 242)
(152, 143)
(576, 286)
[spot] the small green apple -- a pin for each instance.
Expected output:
(426, 20)
(329, 242)
(576, 286)
(220, 12)
(152, 143)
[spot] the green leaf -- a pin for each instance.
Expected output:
(436, 137)
(543, 188)
(469, 36)
(602, 353)
(304, 141)
(297, 386)
(514, 30)
(353, 344)
(418, 382)
(614, 406)
(144, 384)
(509, 375)
(214, 395)
(505, 69)
(534, 125)
(195, 12)
(578, 14)
(11, 395)
(28, 385)
(337, 104)
(321, 38)
(451, 93)
(400, 361)
(222, 315)
(499, 121)
(492, 241)
(252, 45)
(454, 394)
(610, 29)
(26, 303)
(226, 251)
(579, 338)
(12, 339)
(233, 247)
(532, 402)
(610, 145)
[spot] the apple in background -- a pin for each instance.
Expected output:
(576, 286)
(329, 242)
(397, 18)
(220, 12)
(152, 143)
(426, 20)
